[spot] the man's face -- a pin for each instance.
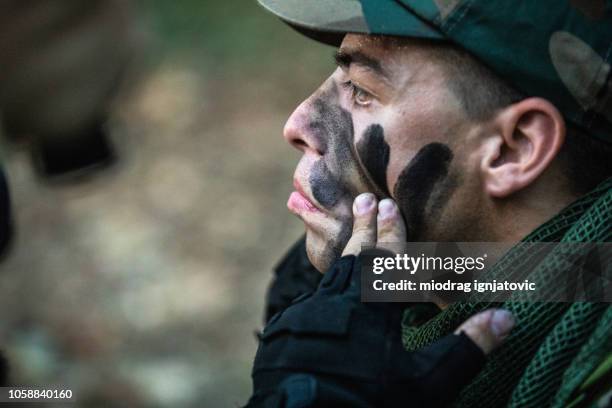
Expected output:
(384, 122)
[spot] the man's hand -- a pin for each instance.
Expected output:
(381, 222)
(374, 222)
(330, 349)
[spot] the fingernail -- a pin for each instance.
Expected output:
(386, 208)
(501, 322)
(364, 203)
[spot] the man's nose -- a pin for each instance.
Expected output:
(301, 132)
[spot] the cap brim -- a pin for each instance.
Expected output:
(327, 21)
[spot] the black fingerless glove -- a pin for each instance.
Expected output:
(328, 349)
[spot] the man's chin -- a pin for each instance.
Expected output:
(322, 251)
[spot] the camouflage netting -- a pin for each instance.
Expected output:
(554, 346)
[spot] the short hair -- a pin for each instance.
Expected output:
(585, 160)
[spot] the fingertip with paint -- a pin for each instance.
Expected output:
(386, 209)
(501, 323)
(364, 203)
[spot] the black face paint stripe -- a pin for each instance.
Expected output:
(417, 181)
(325, 188)
(374, 153)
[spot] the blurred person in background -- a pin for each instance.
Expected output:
(444, 121)
(61, 64)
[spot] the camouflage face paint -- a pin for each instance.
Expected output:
(326, 188)
(424, 175)
(334, 178)
(333, 126)
(374, 153)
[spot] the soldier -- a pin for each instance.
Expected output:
(460, 120)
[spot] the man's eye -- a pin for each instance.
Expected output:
(360, 96)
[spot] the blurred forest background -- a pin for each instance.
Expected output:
(143, 285)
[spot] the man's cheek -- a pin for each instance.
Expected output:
(325, 245)
(423, 175)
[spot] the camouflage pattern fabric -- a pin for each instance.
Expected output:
(555, 346)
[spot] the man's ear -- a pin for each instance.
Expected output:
(526, 138)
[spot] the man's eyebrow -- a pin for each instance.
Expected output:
(345, 58)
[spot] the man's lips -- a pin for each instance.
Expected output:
(299, 202)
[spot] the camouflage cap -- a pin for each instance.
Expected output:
(558, 50)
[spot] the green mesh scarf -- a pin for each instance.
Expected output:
(554, 346)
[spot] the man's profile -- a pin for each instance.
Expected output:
(463, 121)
